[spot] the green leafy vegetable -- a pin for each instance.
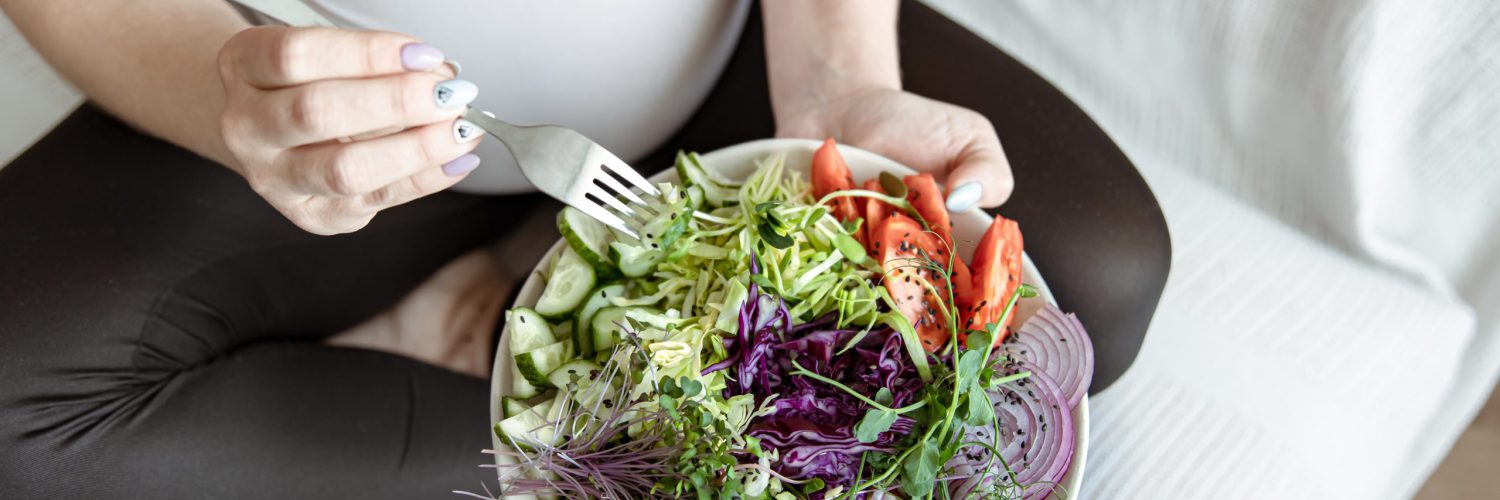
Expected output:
(892, 185)
(875, 422)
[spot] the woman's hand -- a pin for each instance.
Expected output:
(295, 97)
(834, 73)
(955, 144)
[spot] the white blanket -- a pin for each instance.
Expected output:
(1329, 174)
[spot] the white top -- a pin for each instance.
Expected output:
(626, 74)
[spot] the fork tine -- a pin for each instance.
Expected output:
(611, 201)
(609, 180)
(600, 214)
(614, 164)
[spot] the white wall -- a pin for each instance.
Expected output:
(32, 96)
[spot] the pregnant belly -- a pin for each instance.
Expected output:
(625, 74)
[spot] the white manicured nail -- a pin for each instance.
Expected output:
(455, 93)
(963, 197)
(465, 131)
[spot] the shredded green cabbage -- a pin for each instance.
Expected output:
(712, 257)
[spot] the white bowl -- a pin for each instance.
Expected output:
(737, 162)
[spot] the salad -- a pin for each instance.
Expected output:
(781, 337)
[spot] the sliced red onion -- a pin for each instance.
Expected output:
(1054, 343)
(1036, 439)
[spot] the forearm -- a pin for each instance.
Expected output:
(818, 50)
(152, 63)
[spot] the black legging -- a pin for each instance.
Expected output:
(160, 324)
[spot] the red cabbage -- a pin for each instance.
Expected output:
(813, 425)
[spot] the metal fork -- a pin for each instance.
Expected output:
(568, 166)
(559, 161)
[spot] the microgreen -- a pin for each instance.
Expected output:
(957, 398)
(892, 185)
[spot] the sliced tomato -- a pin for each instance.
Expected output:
(829, 174)
(875, 212)
(963, 281)
(996, 276)
(898, 239)
(923, 193)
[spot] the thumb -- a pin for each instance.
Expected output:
(980, 175)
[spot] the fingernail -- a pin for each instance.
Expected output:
(420, 56)
(455, 93)
(461, 165)
(458, 69)
(963, 197)
(465, 131)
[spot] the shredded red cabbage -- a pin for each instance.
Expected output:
(813, 425)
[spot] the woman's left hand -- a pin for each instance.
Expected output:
(955, 144)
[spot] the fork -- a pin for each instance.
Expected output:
(577, 171)
(559, 161)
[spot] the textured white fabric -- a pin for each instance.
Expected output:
(1329, 174)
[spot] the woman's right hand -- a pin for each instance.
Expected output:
(295, 96)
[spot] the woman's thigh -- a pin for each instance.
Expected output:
(159, 328)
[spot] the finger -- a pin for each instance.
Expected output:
(358, 168)
(448, 70)
(981, 175)
(342, 215)
(423, 183)
(275, 57)
(330, 109)
(325, 216)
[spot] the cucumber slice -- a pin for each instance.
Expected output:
(638, 257)
(635, 261)
(527, 330)
(570, 280)
(563, 330)
(606, 324)
(530, 428)
(588, 237)
(598, 299)
(511, 406)
(519, 387)
(712, 174)
(604, 328)
(582, 368)
(690, 170)
(537, 363)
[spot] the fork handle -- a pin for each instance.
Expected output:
(499, 128)
(293, 13)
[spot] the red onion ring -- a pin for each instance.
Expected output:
(1055, 343)
(1036, 438)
